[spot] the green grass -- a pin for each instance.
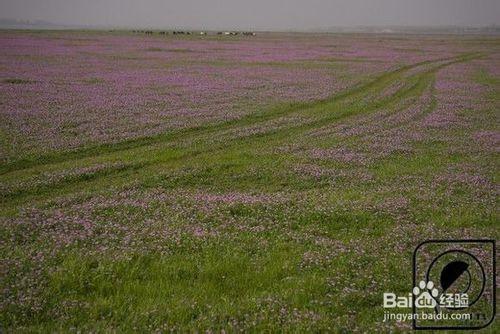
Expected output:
(252, 273)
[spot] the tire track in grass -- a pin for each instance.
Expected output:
(271, 138)
(53, 180)
(402, 93)
(377, 84)
(429, 76)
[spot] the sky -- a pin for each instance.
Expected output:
(255, 14)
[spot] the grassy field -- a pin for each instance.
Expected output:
(271, 183)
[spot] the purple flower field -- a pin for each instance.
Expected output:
(209, 184)
(80, 89)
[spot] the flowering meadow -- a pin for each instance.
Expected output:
(272, 183)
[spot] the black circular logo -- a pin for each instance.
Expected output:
(458, 272)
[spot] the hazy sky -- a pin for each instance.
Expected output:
(255, 14)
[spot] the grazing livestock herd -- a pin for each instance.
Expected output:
(202, 33)
(235, 33)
